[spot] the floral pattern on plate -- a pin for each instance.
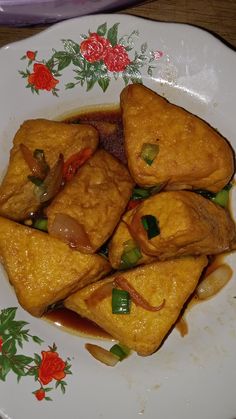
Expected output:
(44, 368)
(99, 58)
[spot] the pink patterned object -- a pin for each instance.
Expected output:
(28, 12)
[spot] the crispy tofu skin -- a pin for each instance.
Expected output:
(143, 330)
(96, 197)
(192, 155)
(189, 225)
(17, 198)
(43, 270)
(119, 238)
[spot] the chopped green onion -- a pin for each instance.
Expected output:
(149, 152)
(221, 198)
(120, 301)
(120, 350)
(140, 193)
(41, 224)
(35, 180)
(150, 224)
(130, 255)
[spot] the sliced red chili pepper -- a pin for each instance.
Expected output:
(133, 203)
(122, 282)
(74, 162)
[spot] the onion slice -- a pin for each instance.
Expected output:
(214, 282)
(102, 355)
(36, 168)
(100, 294)
(69, 230)
(122, 282)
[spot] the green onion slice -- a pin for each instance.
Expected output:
(140, 193)
(149, 152)
(151, 226)
(130, 255)
(120, 301)
(41, 224)
(221, 198)
(35, 180)
(120, 350)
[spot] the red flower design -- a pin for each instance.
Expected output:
(116, 58)
(94, 48)
(51, 367)
(40, 394)
(1, 342)
(42, 78)
(31, 55)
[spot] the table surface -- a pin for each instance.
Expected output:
(217, 16)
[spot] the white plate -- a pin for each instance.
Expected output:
(191, 377)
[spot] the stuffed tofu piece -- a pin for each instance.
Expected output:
(19, 196)
(87, 210)
(167, 145)
(174, 223)
(42, 269)
(158, 292)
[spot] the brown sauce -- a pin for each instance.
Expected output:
(111, 140)
(71, 321)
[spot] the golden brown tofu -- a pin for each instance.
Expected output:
(188, 224)
(42, 269)
(143, 330)
(189, 154)
(17, 197)
(95, 199)
(120, 241)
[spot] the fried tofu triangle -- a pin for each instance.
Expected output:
(92, 203)
(43, 270)
(185, 224)
(17, 192)
(143, 330)
(167, 145)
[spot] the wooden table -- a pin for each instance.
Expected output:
(217, 16)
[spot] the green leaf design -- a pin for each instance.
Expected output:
(9, 348)
(70, 46)
(102, 29)
(149, 71)
(126, 79)
(104, 83)
(70, 85)
(5, 367)
(22, 359)
(7, 314)
(36, 339)
(19, 370)
(37, 359)
(90, 83)
(144, 47)
(78, 61)
(112, 34)
(64, 59)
